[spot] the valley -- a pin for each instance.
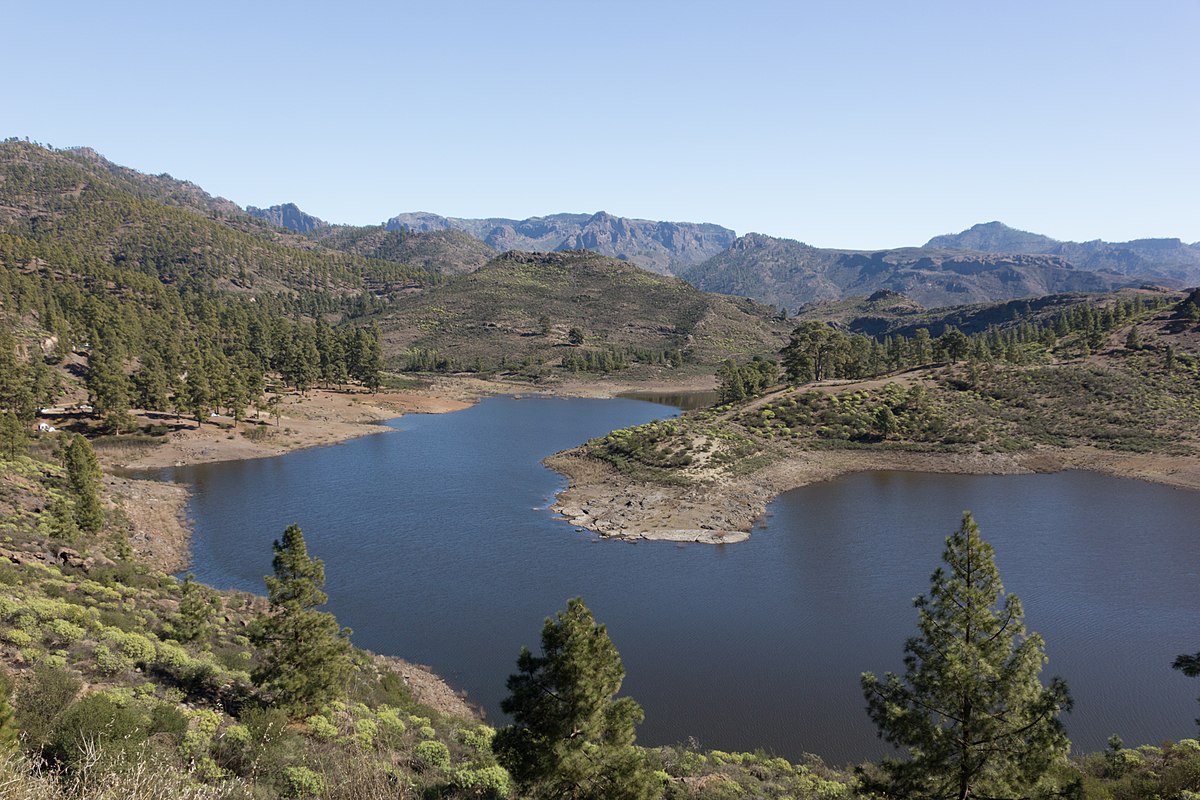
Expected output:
(214, 374)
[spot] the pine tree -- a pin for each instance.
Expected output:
(152, 383)
(970, 710)
(570, 738)
(197, 606)
(1189, 665)
(15, 395)
(108, 390)
(12, 435)
(83, 478)
(197, 392)
(304, 653)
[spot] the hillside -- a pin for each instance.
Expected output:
(889, 313)
(663, 247)
(448, 252)
(73, 207)
(1160, 258)
(788, 273)
(522, 306)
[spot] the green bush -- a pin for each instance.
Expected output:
(40, 701)
(491, 781)
(431, 756)
(96, 719)
(302, 782)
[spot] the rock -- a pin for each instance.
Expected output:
(68, 557)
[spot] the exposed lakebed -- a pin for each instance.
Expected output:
(438, 548)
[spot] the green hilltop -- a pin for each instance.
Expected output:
(521, 308)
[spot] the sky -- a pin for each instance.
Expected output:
(841, 124)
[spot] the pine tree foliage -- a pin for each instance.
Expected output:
(570, 738)
(970, 709)
(1189, 665)
(304, 653)
(83, 479)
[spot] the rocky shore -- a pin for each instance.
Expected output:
(601, 499)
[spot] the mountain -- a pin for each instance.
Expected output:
(288, 216)
(788, 273)
(521, 306)
(994, 237)
(663, 247)
(1156, 258)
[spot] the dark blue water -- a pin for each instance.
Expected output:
(438, 549)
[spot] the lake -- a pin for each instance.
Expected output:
(438, 548)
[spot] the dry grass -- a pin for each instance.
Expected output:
(146, 778)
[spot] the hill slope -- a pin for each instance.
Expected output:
(789, 273)
(888, 313)
(663, 247)
(73, 206)
(523, 305)
(449, 252)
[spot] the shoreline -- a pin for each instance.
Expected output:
(600, 499)
(159, 531)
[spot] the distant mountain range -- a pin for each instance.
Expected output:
(987, 262)
(788, 273)
(1164, 258)
(662, 247)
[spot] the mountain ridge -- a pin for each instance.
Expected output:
(1162, 257)
(789, 273)
(663, 247)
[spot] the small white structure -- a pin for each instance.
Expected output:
(46, 427)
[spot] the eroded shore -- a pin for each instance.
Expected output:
(601, 499)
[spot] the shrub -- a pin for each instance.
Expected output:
(320, 727)
(96, 719)
(390, 720)
(40, 701)
(64, 631)
(302, 782)
(492, 781)
(110, 663)
(478, 739)
(430, 756)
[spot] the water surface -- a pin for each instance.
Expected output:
(438, 548)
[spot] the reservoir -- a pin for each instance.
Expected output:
(438, 548)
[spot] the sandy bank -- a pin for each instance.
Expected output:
(319, 418)
(601, 499)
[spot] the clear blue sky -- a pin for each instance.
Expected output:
(856, 124)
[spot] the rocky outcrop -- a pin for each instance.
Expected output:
(289, 217)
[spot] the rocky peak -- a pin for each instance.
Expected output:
(288, 216)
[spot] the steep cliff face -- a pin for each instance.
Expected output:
(662, 247)
(289, 217)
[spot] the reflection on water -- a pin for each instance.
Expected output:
(686, 401)
(438, 548)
